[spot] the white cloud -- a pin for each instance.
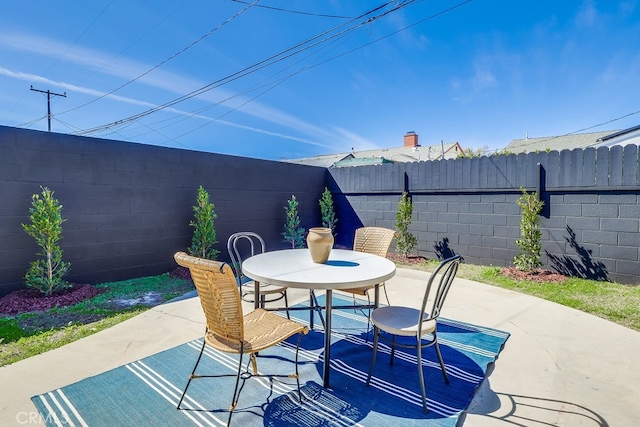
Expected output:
(587, 15)
(125, 70)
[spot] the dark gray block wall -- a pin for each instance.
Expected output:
(128, 206)
(590, 222)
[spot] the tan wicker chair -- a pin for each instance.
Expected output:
(412, 322)
(376, 241)
(227, 329)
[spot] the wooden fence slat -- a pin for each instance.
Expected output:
(630, 168)
(602, 166)
(615, 165)
(588, 168)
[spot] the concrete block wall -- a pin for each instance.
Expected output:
(128, 206)
(590, 223)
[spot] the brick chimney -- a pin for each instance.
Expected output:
(411, 139)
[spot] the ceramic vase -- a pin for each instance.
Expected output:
(319, 242)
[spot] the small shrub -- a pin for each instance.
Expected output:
(204, 231)
(530, 235)
(327, 211)
(405, 241)
(293, 233)
(46, 274)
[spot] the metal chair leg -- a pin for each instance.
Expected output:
(376, 331)
(421, 377)
(297, 373)
(286, 304)
(386, 295)
(193, 372)
(393, 349)
(313, 302)
(236, 394)
(444, 370)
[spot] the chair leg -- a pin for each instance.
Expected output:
(393, 349)
(312, 308)
(368, 316)
(315, 306)
(421, 377)
(193, 372)
(386, 295)
(286, 304)
(236, 393)
(444, 370)
(297, 373)
(376, 331)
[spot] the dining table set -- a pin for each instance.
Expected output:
(344, 269)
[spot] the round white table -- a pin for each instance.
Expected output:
(345, 269)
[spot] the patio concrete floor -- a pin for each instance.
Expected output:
(559, 367)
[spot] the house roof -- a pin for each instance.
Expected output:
(384, 155)
(557, 143)
(627, 136)
(325, 161)
(360, 161)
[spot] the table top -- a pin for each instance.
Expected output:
(294, 268)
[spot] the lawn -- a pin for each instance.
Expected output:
(29, 334)
(615, 302)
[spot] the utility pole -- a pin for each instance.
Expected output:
(49, 93)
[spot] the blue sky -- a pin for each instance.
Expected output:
(278, 79)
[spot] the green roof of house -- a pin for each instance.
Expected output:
(361, 161)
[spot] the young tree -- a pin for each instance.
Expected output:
(405, 241)
(46, 227)
(293, 233)
(530, 235)
(327, 211)
(204, 231)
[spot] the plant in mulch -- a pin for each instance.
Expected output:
(327, 211)
(31, 300)
(405, 241)
(204, 231)
(180, 273)
(293, 233)
(46, 274)
(530, 235)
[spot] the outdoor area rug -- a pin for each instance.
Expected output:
(146, 392)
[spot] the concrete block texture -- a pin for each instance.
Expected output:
(128, 205)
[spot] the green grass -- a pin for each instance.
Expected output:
(29, 334)
(615, 302)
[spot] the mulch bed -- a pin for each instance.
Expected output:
(537, 275)
(408, 260)
(181, 273)
(32, 300)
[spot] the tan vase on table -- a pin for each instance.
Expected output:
(319, 242)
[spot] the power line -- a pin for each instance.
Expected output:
(49, 93)
(287, 53)
(279, 9)
(166, 60)
(67, 51)
(305, 68)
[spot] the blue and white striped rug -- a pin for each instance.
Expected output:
(146, 392)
